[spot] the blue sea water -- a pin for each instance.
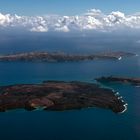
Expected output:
(85, 124)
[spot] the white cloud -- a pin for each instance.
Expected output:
(94, 13)
(39, 29)
(5, 19)
(93, 19)
(63, 29)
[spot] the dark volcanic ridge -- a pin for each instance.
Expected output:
(116, 79)
(59, 96)
(63, 57)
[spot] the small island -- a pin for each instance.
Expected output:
(124, 80)
(59, 96)
(63, 57)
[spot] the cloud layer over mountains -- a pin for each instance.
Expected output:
(93, 19)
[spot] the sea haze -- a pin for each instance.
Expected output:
(72, 42)
(86, 124)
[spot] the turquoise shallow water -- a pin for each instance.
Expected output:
(86, 124)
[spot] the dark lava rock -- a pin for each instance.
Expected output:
(59, 96)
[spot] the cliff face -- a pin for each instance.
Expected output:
(59, 96)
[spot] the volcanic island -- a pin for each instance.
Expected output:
(119, 79)
(63, 57)
(59, 96)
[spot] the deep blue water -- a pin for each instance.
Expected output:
(86, 124)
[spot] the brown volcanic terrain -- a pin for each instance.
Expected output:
(59, 96)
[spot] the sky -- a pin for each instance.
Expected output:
(66, 7)
(72, 15)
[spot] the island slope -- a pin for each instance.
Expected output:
(59, 96)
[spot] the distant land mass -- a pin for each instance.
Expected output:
(59, 96)
(124, 80)
(63, 57)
